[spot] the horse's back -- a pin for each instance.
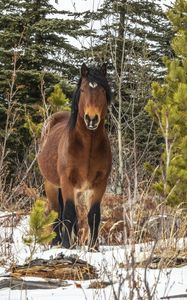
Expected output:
(53, 131)
(58, 118)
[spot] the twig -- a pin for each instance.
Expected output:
(13, 214)
(175, 296)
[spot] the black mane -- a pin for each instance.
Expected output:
(94, 75)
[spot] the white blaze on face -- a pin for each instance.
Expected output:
(93, 85)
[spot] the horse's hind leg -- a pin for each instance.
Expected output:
(55, 202)
(57, 225)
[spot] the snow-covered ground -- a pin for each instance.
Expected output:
(111, 263)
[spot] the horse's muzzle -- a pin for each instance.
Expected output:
(91, 122)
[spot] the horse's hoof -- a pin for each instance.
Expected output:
(56, 242)
(65, 244)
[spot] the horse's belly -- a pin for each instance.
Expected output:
(47, 158)
(47, 164)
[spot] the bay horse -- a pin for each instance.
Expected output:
(75, 160)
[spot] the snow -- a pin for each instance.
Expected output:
(110, 263)
(171, 282)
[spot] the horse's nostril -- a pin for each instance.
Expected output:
(95, 119)
(87, 118)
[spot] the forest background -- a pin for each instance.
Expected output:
(145, 47)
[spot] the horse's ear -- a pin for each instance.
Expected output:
(84, 70)
(104, 68)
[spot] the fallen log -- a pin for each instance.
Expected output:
(21, 284)
(61, 267)
(158, 262)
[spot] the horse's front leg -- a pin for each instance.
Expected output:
(69, 214)
(94, 215)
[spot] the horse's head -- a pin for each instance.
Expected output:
(92, 97)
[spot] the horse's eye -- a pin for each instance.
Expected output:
(82, 91)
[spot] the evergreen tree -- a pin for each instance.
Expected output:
(169, 108)
(144, 27)
(135, 35)
(35, 54)
(40, 226)
(58, 99)
(39, 34)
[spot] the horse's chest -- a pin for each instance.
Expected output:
(86, 176)
(86, 171)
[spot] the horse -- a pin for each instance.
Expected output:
(75, 160)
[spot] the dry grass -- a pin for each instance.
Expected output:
(151, 221)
